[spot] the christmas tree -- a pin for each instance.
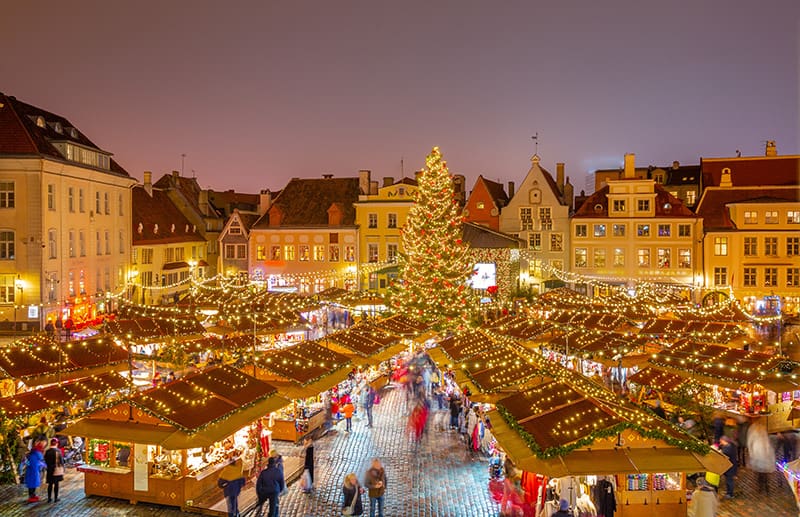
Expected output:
(433, 264)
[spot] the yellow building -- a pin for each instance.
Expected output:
(632, 230)
(167, 248)
(65, 209)
(381, 213)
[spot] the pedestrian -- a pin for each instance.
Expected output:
(375, 481)
(68, 326)
(659, 410)
(231, 480)
(704, 500)
(50, 328)
(455, 409)
(563, 509)
(269, 486)
(761, 454)
(347, 410)
(33, 470)
(372, 397)
(352, 504)
(59, 326)
(729, 449)
(170, 377)
(278, 460)
(308, 463)
(54, 459)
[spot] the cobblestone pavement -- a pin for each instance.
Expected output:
(437, 478)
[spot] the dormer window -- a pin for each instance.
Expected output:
(40, 121)
(73, 133)
(58, 128)
(235, 229)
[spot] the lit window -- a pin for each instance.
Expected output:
(684, 258)
(643, 256)
(480, 205)
(333, 253)
(581, 257)
(535, 241)
(771, 217)
(619, 205)
(319, 252)
(618, 230)
(599, 257)
(750, 217)
(599, 230)
(391, 252)
(580, 230)
(793, 217)
(619, 257)
(303, 254)
(664, 230)
(720, 246)
(288, 252)
(7, 245)
(643, 230)
(664, 258)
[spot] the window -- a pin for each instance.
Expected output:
(6, 194)
(71, 243)
(169, 255)
(235, 229)
(82, 282)
(770, 277)
(720, 246)
(793, 217)
(643, 230)
(349, 253)
(71, 283)
(580, 257)
(684, 258)
(720, 276)
(525, 219)
(303, 254)
(51, 197)
(391, 252)
(120, 205)
(108, 243)
(82, 243)
(664, 256)
(52, 245)
(106, 205)
(121, 242)
(392, 222)
(684, 230)
(749, 279)
(230, 251)
(333, 253)
(535, 241)
(96, 203)
(770, 246)
(480, 205)
(691, 197)
(71, 199)
(580, 230)
(147, 255)
(275, 253)
(643, 205)
(619, 257)
(771, 217)
(81, 205)
(288, 252)
(7, 245)
(793, 277)
(643, 256)
(599, 230)
(261, 252)
(618, 230)
(750, 246)
(372, 252)
(599, 257)
(319, 252)
(372, 220)
(546, 218)
(7, 287)
(618, 205)
(750, 217)
(664, 230)
(792, 246)
(556, 242)
(241, 251)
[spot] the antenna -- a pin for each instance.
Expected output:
(535, 139)
(194, 174)
(402, 170)
(183, 159)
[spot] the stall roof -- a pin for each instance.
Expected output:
(705, 331)
(304, 363)
(364, 339)
(660, 380)
(518, 327)
(460, 347)
(403, 325)
(153, 328)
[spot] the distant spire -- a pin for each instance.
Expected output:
(402, 170)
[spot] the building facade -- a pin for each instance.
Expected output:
(486, 200)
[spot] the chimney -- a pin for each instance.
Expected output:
(568, 197)
(148, 183)
(560, 176)
(771, 149)
(510, 189)
(264, 201)
(630, 166)
(373, 188)
(202, 201)
(725, 179)
(363, 181)
(388, 181)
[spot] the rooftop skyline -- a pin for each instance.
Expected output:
(256, 95)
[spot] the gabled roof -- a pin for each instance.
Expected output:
(596, 205)
(187, 186)
(20, 135)
(713, 205)
(752, 171)
(305, 202)
(226, 202)
(159, 209)
(495, 190)
(479, 236)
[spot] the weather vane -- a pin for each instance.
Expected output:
(535, 139)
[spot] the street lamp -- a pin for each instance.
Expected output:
(19, 285)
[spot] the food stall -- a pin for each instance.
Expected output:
(167, 444)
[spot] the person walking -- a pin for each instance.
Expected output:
(347, 410)
(375, 481)
(728, 448)
(369, 402)
(269, 486)
(761, 454)
(33, 470)
(231, 480)
(54, 459)
(308, 463)
(704, 500)
(351, 490)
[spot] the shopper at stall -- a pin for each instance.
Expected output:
(563, 509)
(231, 480)
(375, 481)
(729, 449)
(308, 463)
(704, 500)
(352, 504)
(269, 486)
(33, 470)
(54, 459)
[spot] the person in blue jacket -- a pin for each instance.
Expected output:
(269, 486)
(231, 480)
(33, 470)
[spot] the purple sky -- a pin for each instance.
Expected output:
(257, 92)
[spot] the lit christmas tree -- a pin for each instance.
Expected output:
(434, 265)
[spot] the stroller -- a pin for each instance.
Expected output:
(74, 455)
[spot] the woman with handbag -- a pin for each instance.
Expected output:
(55, 469)
(352, 504)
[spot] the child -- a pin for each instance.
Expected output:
(348, 410)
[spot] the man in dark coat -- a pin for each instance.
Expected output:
(730, 450)
(308, 464)
(269, 485)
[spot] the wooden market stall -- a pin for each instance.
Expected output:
(365, 343)
(167, 444)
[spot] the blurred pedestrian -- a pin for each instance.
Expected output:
(369, 402)
(33, 470)
(308, 463)
(704, 500)
(729, 449)
(351, 490)
(231, 480)
(762, 454)
(375, 481)
(54, 459)
(269, 486)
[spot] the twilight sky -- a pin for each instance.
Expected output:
(257, 92)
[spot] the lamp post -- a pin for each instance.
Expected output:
(18, 284)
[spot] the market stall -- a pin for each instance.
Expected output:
(167, 444)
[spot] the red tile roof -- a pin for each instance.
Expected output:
(159, 210)
(496, 191)
(305, 202)
(713, 206)
(752, 171)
